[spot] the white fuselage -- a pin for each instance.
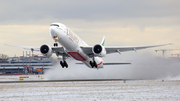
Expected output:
(72, 44)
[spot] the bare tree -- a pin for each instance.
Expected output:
(3, 57)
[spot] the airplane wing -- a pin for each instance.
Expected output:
(26, 47)
(57, 50)
(111, 49)
(119, 49)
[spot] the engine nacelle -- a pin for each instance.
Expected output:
(46, 50)
(99, 50)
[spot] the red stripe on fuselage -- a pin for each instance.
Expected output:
(77, 56)
(100, 63)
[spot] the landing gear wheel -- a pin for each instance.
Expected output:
(91, 64)
(55, 44)
(64, 64)
(95, 64)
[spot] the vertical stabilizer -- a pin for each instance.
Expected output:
(103, 41)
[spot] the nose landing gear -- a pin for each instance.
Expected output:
(55, 44)
(55, 38)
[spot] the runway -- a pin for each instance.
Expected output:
(138, 90)
(74, 80)
(36, 87)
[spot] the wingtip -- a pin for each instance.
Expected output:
(7, 45)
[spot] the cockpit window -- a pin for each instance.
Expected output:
(54, 25)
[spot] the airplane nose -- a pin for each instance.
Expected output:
(52, 31)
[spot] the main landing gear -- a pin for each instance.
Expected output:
(93, 64)
(64, 64)
(55, 39)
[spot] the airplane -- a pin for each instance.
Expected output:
(73, 46)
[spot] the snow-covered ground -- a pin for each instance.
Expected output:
(16, 77)
(140, 90)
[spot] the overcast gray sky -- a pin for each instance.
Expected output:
(122, 22)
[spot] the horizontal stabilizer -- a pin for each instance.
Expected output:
(111, 63)
(116, 63)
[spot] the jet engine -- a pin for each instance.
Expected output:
(99, 50)
(46, 50)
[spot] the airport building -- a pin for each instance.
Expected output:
(25, 65)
